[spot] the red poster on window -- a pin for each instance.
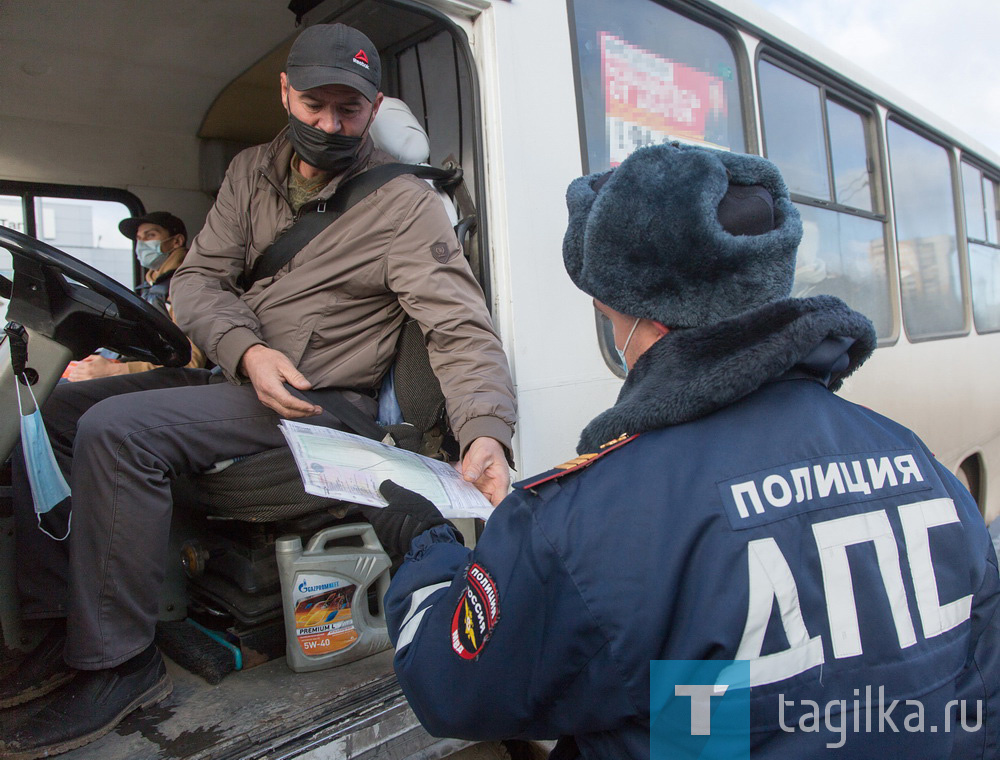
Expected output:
(650, 99)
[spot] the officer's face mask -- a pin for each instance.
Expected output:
(150, 253)
(621, 351)
(48, 486)
(327, 152)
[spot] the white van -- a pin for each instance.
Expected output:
(112, 108)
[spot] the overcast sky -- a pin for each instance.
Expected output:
(943, 54)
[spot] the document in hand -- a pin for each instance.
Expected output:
(344, 466)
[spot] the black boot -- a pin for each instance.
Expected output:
(42, 671)
(89, 706)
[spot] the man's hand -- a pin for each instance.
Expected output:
(407, 515)
(268, 370)
(485, 466)
(95, 366)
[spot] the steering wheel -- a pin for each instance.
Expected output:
(72, 303)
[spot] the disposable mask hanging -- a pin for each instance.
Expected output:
(48, 486)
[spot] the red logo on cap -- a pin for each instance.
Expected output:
(360, 56)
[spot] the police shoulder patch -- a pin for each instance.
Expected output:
(476, 614)
(576, 464)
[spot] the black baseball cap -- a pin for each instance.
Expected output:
(130, 227)
(334, 54)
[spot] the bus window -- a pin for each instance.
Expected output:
(793, 131)
(12, 216)
(849, 154)
(80, 220)
(88, 230)
(984, 269)
(930, 279)
(984, 250)
(647, 75)
(823, 152)
(992, 210)
(844, 255)
(975, 209)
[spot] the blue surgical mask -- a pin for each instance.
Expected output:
(149, 254)
(621, 351)
(48, 486)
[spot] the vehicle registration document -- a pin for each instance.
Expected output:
(349, 467)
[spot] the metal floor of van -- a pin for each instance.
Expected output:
(351, 711)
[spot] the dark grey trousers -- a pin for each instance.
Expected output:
(120, 441)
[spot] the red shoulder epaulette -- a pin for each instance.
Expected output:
(576, 464)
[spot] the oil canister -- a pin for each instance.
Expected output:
(325, 593)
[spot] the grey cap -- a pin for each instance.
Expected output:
(334, 54)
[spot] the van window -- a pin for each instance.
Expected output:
(11, 216)
(844, 255)
(88, 230)
(975, 209)
(984, 250)
(645, 76)
(849, 157)
(84, 227)
(992, 210)
(923, 200)
(794, 137)
(823, 149)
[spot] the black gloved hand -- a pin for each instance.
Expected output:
(408, 515)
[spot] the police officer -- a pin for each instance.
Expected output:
(729, 506)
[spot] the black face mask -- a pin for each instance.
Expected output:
(329, 153)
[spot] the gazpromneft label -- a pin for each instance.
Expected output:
(324, 620)
(778, 492)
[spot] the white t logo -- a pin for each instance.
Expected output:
(701, 704)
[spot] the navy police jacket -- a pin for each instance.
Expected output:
(813, 538)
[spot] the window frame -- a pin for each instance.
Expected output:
(844, 94)
(731, 34)
(845, 99)
(986, 174)
(958, 209)
(29, 191)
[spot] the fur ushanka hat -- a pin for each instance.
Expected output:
(647, 238)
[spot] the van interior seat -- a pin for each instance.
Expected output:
(396, 131)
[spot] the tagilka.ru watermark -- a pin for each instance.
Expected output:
(871, 712)
(699, 710)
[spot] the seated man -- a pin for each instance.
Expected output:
(328, 320)
(160, 246)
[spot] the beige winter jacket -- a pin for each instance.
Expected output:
(336, 309)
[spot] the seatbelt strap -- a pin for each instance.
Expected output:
(318, 215)
(333, 401)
